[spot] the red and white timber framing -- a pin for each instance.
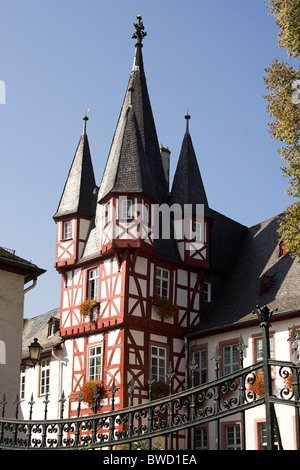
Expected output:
(127, 325)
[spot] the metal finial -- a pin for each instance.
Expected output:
(139, 32)
(85, 119)
(187, 117)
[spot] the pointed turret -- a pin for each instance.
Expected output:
(78, 194)
(188, 191)
(187, 185)
(77, 205)
(134, 163)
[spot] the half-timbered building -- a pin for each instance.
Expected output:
(152, 276)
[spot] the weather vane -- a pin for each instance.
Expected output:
(139, 33)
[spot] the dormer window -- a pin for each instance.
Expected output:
(66, 229)
(53, 326)
(265, 285)
(282, 250)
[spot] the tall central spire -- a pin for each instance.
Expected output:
(134, 163)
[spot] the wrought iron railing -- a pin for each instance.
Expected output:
(173, 418)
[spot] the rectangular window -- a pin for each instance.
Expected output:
(198, 231)
(207, 292)
(95, 362)
(201, 439)
(158, 363)
(233, 437)
(44, 376)
(145, 211)
(230, 359)
(67, 230)
(107, 215)
(162, 279)
(259, 349)
(93, 284)
(126, 209)
(22, 386)
(262, 437)
(200, 358)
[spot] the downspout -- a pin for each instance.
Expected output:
(59, 388)
(34, 282)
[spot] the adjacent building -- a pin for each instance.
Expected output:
(17, 276)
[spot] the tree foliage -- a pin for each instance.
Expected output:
(285, 111)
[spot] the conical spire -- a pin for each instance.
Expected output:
(134, 163)
(78, 194)
(187, 185)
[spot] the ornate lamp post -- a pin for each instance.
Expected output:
(35, 351)
(264, 315)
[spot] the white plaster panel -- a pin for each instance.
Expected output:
(138, 337)
(182, 277)
(182, 297)
(112, 337)
(141, 266)
(160, 339)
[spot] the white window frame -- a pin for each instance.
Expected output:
(158, 363)
(66, 230)
(93, 283)
(207, 291)
(233, 441)
(22, 385)
(200, 358)
(95, 362)
(127, 205)
(230, 358)
(146, 212)
(201, 438)
(45, 377)
(162, 282)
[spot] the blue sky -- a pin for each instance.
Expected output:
(60, 57)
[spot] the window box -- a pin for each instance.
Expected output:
(90, 391)
(164, 308)
(86, 307)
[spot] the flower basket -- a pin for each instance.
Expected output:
(159, 390)
(258, 386)
(89, 389)
(87, 306)
(164, 308)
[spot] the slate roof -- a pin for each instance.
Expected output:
(9, 259)
(80, 188)
(134, 163)
(187, 187)
(258, 257)
(37, 327)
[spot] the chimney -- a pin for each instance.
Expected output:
(165, 156)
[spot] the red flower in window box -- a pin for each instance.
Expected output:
(258, 386)
(88, 391)
(164, 308)
(159, 390)
(87, 306)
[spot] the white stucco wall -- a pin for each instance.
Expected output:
(11, 325)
